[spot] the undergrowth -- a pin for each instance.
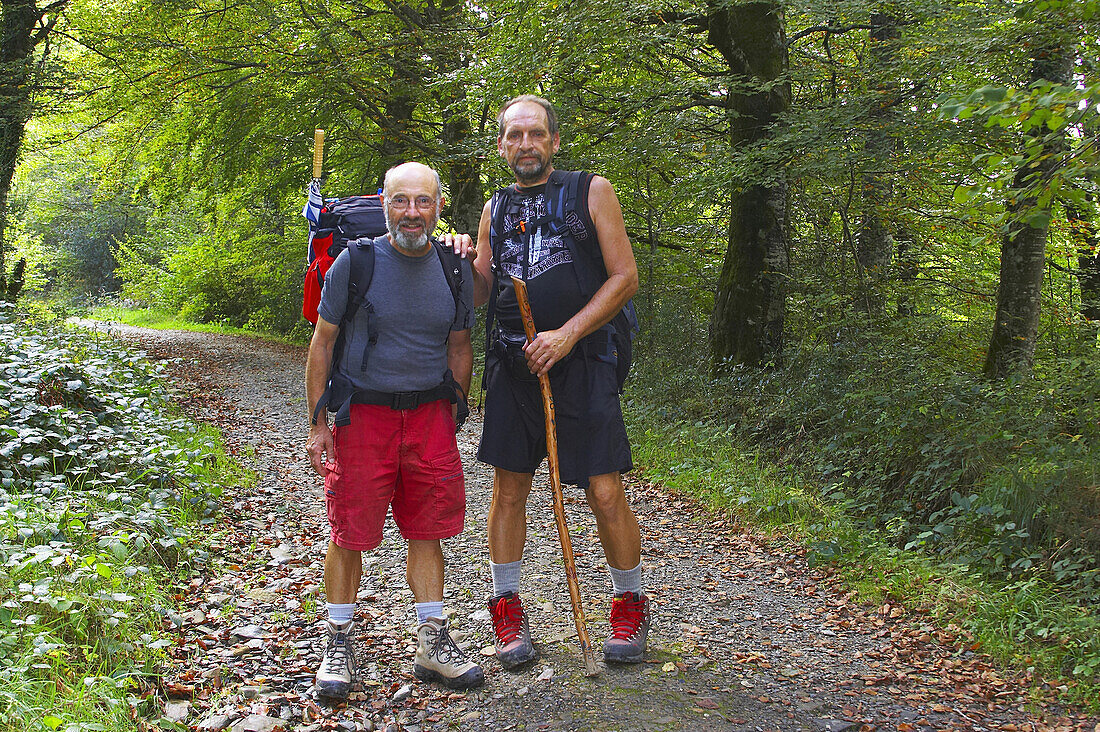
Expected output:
(102, 489)
(881, 455)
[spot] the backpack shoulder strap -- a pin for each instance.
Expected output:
(452, 270)
(567, 206)
(498, 204)
(360, 272)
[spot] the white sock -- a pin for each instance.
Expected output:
(338, 614)
(506, 577)
(425, 610)
(627, 580)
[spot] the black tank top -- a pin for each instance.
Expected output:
(541, 259)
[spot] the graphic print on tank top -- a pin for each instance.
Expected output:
(543, 261)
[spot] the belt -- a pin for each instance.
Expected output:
(400, 400)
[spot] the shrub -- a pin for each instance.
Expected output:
(98, 484)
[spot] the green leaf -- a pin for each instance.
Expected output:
(1038, 219)
(52, 722)
(993, 93)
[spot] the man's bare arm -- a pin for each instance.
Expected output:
(482, 264)
(460, 357)
(318, 363)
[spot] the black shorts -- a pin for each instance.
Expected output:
(591, 434)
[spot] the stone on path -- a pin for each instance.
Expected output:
(258, 723)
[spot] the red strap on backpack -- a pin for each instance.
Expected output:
(315, 277)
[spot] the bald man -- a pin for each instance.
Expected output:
(399, 450)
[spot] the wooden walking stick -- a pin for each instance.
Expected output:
(555, 488)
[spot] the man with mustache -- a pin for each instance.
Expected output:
(398, 450)
(553, 229)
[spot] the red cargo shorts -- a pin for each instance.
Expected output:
(406, 459)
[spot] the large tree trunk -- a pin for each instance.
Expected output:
(463, 172)
(1023, 247)
(17, 42)
(874, 243)
(1086, 236)
(750, 301)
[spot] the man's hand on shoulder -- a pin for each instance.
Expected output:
(462, 244)
(319, 447)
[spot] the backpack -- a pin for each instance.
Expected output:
(565, 217)
(338, 394)
(338, 222)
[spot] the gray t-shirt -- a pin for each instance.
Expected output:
(413, 315)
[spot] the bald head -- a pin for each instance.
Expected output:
(412, 174)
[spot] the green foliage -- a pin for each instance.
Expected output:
(100, 487)
(1043, 110)
(1001, 476)
(70, 218)
(1031, 623)
(234, 270)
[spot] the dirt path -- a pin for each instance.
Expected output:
(746, 637)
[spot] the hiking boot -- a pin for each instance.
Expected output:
(337, 669)
(629, 628)
(513, 636)
(438, 658)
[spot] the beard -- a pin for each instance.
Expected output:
(405, 242)
(529, 171)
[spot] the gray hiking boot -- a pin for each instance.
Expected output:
(438, 658)
(334, 677)
(629, 629)
(512, 634)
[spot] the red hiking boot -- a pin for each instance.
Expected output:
(513, 636)
(629, 629)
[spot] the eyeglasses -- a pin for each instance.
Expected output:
(400, 203)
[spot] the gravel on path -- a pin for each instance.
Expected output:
(745, 635)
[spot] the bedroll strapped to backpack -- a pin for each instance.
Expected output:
(338, 222)
(567, 216)
(339, 394)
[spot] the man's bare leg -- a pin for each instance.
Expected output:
(615, 521)
(343, 568)
(508, 515)
(424, 570)
(507, 536)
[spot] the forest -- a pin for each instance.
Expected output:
(867, 232)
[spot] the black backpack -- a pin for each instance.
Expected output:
(361, 253)
(338, 222)
(564, 216)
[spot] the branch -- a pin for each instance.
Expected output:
(696, 21)
(828, 30)
(44, 30)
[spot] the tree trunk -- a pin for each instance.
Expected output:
(1086, 236)
(750, 301)
(1023, 247)
(463, 170)
(874, 243)
(17, 42)
(907, 272)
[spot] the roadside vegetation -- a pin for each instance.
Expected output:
(103, 491)
(112, 310)
(976, 500)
